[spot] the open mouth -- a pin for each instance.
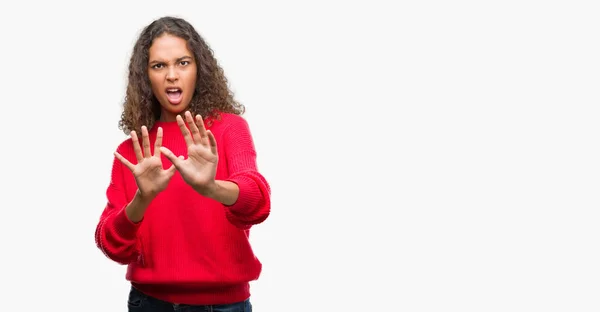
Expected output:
(174, 95)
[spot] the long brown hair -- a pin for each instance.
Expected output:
(211, 96)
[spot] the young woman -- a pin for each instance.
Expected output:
(185, 189)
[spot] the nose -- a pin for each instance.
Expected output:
(171, 74)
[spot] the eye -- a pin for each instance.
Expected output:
(184, 63)
(157, 66)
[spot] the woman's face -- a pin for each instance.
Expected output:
(172, 72)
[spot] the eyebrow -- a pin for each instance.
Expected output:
(177, 60)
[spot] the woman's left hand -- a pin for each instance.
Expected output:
(200, 167)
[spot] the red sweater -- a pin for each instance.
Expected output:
(188, 248)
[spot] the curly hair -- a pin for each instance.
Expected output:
(211, 95)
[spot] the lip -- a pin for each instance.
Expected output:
(173, 88)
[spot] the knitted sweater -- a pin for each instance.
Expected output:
(188, 248)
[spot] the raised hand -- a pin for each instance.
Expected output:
(149, 174)
(200, 168)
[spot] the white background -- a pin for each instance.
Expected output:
(423, 156)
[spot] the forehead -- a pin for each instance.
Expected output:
(168, 47)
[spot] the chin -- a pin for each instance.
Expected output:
(174, 110)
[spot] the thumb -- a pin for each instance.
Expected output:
(176, 161)
(172, 169)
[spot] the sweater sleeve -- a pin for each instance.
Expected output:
(253, 204)
(115, 234)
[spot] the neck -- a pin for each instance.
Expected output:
(168, 117)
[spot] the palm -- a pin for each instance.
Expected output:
(200, 166)
(149, 174)
(199, 169)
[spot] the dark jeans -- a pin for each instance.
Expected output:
(140, 302)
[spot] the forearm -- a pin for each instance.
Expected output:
(253, 203)
(137, 207)
(225, 192)
(116, 233)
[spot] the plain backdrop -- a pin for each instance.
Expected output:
(423, 155)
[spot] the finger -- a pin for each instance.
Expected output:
(195, 132)
(201, 129)
(212, 141)
(146, 142)
(136, 146)
(176, 161)
(124, 161)
(185, 131)
(158, 142)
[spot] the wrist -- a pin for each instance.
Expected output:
(208, 190)
(137, 207)
(225, 192)
(143, 199)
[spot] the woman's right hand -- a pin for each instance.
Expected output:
(149, 174)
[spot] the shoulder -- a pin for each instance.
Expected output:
(232, 119)
(125, 146)
(232, 131)
(230, 122)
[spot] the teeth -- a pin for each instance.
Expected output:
(172, 90)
